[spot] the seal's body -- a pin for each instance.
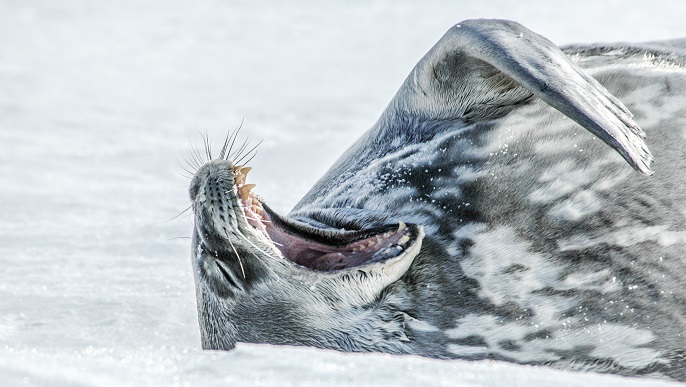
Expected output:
(477, 219)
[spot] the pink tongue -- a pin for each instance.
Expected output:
(319, 256)
(332, 261)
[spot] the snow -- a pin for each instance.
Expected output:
(99, 103)
(262, 365)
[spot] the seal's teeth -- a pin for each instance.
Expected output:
(401, 226)
(403, 240)
(240, 178)
(244, 190)
(362, 247)
(236, 168)
(371, 243)
(245, 170)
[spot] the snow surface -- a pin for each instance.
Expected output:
(99, 101)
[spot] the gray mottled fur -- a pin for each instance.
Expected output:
(541, 245)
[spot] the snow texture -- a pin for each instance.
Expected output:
(99, 103)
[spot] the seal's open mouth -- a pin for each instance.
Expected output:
(321, 249)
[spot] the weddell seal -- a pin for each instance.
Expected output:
(490, 213)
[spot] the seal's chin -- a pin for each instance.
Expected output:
(322, 249)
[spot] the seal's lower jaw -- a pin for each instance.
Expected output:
(324, 249)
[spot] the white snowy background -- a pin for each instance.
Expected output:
(99, 101)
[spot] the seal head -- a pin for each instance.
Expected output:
(261, 277)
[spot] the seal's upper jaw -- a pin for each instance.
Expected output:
(231, 218)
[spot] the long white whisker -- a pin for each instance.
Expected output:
(237, 256)
(259, 220)
(258, 258)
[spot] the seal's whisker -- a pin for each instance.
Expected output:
(239, 233)
(194, 162)
(181, 213)
(235, 136)
(222, 152)
(249, 152)
(191, 165)
(259, 220)
(181, 237)
(186, 216)
(204, 146)
(189, 177)
(239, 151)
(188, 156)
(196, 154)
(253, 245)
(278, 279)
(185, 170)
(237, 256)
(230, 138)
(232, 195)
(252, 157)
(207, 145)
(208, 142)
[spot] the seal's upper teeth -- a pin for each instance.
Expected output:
(244, 171)
(243, 191)
(240, 173)
(401, 226)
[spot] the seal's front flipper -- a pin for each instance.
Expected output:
(481, 69)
